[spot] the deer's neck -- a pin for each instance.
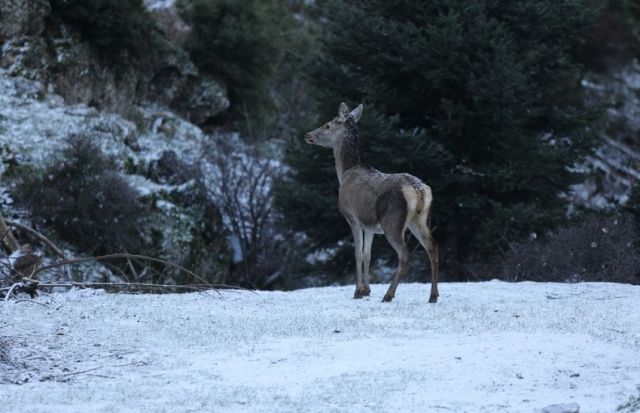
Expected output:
(346, 154)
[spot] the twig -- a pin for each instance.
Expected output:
(102, 376)
(80, 372)
(134, 256)
(6, 231)
(31, 301)
(38, 235)
(195, 287)
(133, 363)
(6, 298)
(133, 270)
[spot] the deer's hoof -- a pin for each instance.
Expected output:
(360, 292)
(367, 291)
(433, 299)
(387, 298)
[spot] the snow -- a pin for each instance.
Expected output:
(159, 4)
(485, 347)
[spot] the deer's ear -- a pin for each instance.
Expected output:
(356, 113)
(343, 112)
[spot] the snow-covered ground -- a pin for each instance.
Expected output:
(485, 347)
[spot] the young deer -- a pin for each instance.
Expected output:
(376, 203)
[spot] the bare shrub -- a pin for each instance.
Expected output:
(594, 249)
(240, 183)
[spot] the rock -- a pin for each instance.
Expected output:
(200, 99)
(26, 57)
(72, 68)
(171, 169)
(22, 17)
(177, 83)
(62, 60)
(168, 19)
(81, 75)
(562, 408)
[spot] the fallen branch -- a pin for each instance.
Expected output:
(31, 301)
(134, 256)
(73, 373)
(13, 287)
(79, 284)
(30, 286)
(38, 235)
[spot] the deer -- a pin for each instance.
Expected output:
(373, 202)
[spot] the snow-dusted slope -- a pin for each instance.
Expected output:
(35, 126)
(486, 347)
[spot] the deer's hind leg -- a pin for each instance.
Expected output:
(421, 231)
(396, 239)
(392, 210)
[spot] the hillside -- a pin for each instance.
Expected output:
(486, 347)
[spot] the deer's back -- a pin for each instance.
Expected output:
(366, 193)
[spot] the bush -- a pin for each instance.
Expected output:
(240, 185)
(595, 249)
(83, 200)
(113, 26)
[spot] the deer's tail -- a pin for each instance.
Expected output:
(424, 202)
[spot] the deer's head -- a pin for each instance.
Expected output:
(331, 133)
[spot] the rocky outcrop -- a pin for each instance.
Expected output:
(176, 82)
(26, 57)
(60, 59)
(22, 17)
(78, 72)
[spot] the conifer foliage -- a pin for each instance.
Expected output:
(237, 42)
(475, 98)
(113, 26)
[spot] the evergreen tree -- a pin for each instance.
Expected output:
(239, 43)
(476, 98)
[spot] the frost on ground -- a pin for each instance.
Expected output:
(486, 347)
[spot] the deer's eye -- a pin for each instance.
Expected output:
(326, 127)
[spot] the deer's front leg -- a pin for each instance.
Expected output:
(366, 259)
(358, 242)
